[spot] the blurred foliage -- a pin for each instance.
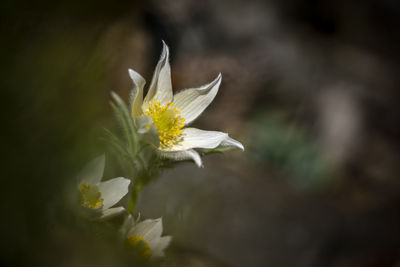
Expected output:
(287, 147)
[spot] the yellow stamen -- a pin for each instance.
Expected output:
(90, 196)
(168, 121)
(141, 247)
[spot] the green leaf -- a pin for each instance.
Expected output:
(124, 125)
(129, 127)
(116, 142)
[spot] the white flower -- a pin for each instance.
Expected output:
(98, 196)
(145, 237)
(161, 117)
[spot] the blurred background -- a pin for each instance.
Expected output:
(309, 87)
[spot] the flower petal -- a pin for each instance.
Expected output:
(160, 89)
(149, 229)
(147, 130)
(192, 102)
(93, 171)
(142, 123)
(109, 213)
(113, 190)
(196, 138)
(155, 233)
(182, 155)
(127, 225)
(232, 142)
(158, 248)
(136, 93)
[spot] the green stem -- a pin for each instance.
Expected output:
(137, 187)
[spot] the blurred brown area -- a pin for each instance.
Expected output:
(309, 87)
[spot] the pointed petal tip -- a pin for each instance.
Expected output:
(239, 145)
(218, 79)
(164, 44)
(165, 50)
(131, 73)
(199, 163)
(157, 223)
(136, 77)
(197, 159)
(232, 143)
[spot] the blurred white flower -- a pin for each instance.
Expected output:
(98, 196)
(145, 238)
(161, 117)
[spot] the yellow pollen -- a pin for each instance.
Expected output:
(90, 196)
(141, 247)
(168, 121)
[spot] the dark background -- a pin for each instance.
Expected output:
(309, 87)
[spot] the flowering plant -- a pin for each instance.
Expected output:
(155, 133)
(164, 116)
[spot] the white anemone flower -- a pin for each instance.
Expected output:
(161, 117)
(97, 196)
(145, 237)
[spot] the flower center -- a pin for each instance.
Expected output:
(141, 247)
(168, 121)
(90, 196)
